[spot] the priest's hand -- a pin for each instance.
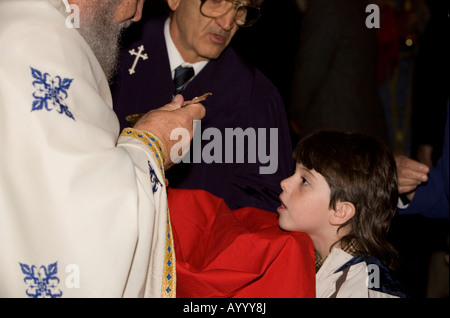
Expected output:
(162, 122)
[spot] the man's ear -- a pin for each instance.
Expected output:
(344, 211)
(173, 4)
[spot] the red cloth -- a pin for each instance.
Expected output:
(241, 253)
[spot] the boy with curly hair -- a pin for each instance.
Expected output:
(343, 194)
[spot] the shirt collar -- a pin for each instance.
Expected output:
(350, 249)
(175, 58)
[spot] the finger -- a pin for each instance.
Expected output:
(406, 182)
(402, 190)
(195, 111)
(411, 169)
(407, 185)
(178, 100)
(175, 104)
(414, 175)
(423, 177)
(418, 166)
(403, 161)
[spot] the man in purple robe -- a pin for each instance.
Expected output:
(242, 148)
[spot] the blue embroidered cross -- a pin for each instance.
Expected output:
(51, 92)
(42, 282)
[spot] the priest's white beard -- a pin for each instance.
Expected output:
(101, 32)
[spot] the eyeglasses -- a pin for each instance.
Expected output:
(245, 14)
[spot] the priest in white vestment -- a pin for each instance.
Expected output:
(82, 213)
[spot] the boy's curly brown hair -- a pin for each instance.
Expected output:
(361, 170)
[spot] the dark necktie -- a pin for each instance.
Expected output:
(182, 76)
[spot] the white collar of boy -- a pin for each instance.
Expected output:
(175, 58)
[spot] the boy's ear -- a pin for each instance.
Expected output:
(344, 211)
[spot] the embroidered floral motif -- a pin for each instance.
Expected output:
(154, 179)
(42, 282)
(51, 92)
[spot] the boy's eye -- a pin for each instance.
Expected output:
(304, 181)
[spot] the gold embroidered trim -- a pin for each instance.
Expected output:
(151, 141)
(168, 289)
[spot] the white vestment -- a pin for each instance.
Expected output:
(82, 214)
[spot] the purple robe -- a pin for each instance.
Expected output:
(242, 98)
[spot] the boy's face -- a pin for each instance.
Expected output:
(305, 202)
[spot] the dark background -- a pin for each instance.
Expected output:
(418, 77)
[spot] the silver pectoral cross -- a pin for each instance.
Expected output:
(138, 55)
